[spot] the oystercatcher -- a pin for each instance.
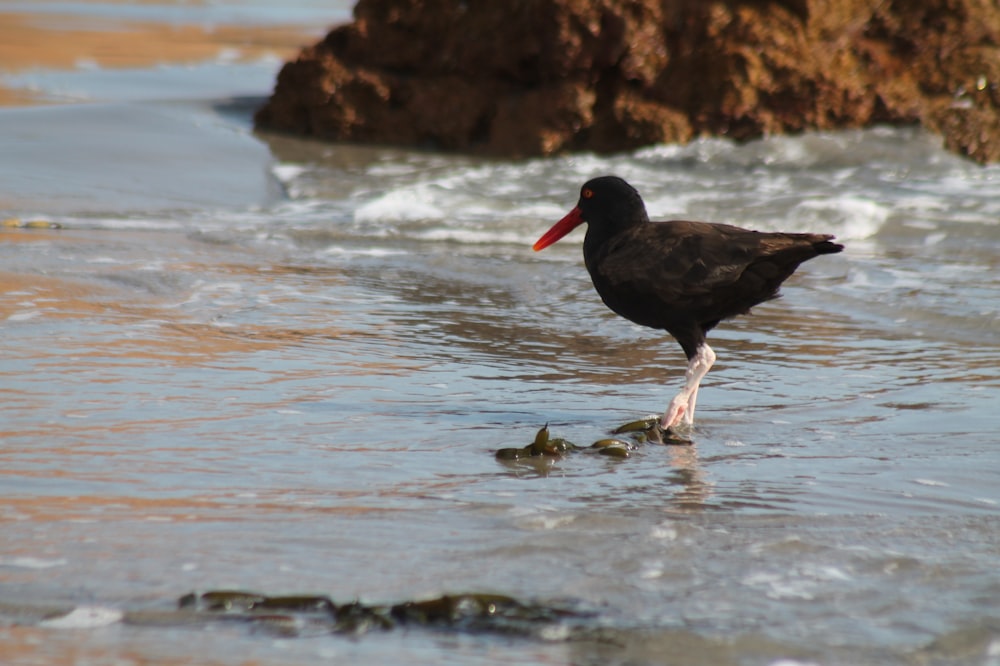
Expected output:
(681, 277)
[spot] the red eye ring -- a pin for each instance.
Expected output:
(587, 193)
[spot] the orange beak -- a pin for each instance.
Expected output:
(572, 220)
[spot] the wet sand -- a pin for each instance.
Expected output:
(126, 157)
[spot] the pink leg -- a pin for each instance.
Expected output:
(682, 406)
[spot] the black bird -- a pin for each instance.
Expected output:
(681, 277)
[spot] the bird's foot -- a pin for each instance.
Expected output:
(677, 411)
(678, 418)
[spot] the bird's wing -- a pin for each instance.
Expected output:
(689, 259)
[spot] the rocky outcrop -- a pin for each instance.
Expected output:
(536, 77)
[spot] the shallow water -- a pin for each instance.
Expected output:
(260, 363)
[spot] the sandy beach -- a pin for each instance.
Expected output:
(66, 41)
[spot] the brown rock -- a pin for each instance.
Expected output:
(540, 121)
(535, 77)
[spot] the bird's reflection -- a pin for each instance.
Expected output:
(692, 491)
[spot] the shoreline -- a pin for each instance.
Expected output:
(67, 42)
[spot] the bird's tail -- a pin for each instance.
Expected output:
(823, 245)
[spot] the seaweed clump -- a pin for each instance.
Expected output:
(318, 614)
(634, 433)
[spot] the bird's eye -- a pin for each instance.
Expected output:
(587, 193)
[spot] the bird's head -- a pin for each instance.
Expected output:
(608, 204)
